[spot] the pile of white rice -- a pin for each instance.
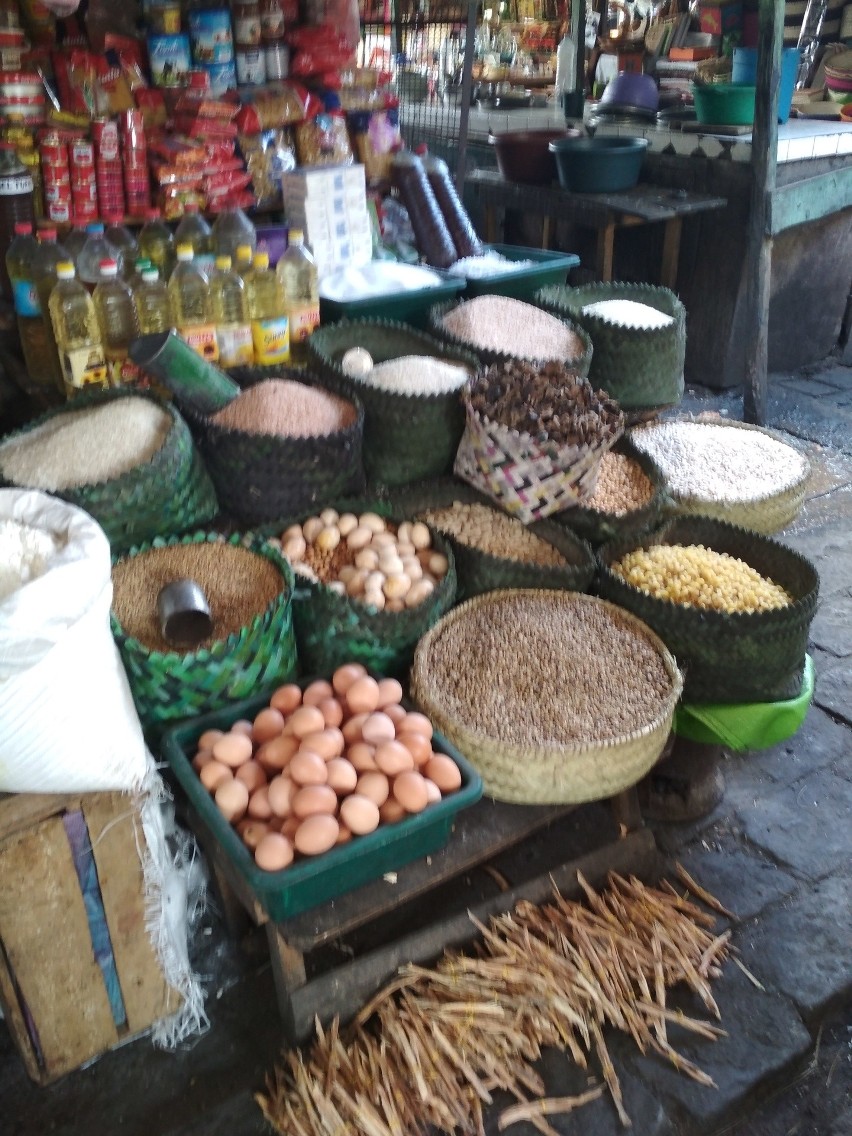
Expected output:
(628, 313)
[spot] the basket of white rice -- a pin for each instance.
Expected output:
(410, 385)
(639, 333)
(124, 456)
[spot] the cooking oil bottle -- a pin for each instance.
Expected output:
(78, 337)
(297, 272)
(242, 260)
(231, 316)
(51, 256)
(269, 327)
(189, 294)
(117, 321)
(157, 243)
(153, 306)
(193, 230)
(23, 263)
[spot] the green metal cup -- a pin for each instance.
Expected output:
(193, 381)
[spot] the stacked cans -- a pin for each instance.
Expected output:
(56, 178)
(84, 189)
(134, 149)
(108, 170)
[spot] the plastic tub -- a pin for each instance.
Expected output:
(724, 104)
(401, 307)
(549, 268)
(745, 71)
(598, 165)
(312, 881)
(523, 155)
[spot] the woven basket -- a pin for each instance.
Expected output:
(642, 368)
(406, 437)
(739, 657)
(169, 687)
(767, 515)
(171, 493)
(529, 775)
(437, 312)
(250, 376)
(260, 477)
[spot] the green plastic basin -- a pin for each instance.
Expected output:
(549, 268)
(598, 165)
(724, 104)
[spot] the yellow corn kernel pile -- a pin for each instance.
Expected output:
(699, 577)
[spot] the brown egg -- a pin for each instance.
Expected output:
(306, 720)
(332, 711)
(344, 676)
(415, 723)
(286, 698)
(233, 749)
(274, 852)
(375, 786)
(395, 712)
(444, 772)
(281, 791)
(390, 693)
(342, 775)
(314, 799)
(213, 774)
(411, 792)
(316, 834)
(208, 738)
(362, 697)
(252, 775)
(393, 758)
(259, 807)
(242, 726)
(232, 798)
(344, 835)
(328, 743)
(252, 832)
(277, 753)
(267, 725)
(362, 756)
(432, 791)
(317, 692)
(287, 827)
(359, 814)
(419, 747)
(308, 768)
(202, 758)
(352, 728)
(378, 728)
(391, 811)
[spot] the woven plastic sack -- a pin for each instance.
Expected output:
(67, 720)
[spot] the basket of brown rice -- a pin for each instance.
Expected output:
(281, 447)
(554, 697)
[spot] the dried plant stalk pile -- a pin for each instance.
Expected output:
(432, 1047)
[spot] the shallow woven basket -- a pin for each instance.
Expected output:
(767, 515)
(406, 437)
(260, 477)
(170, 686)
(580, 364)
(642, 368)
(169, 494)
(535, 775)
(739, 657)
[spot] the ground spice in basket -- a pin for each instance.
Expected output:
(623, 486)
(239, 585)
(532, 671)
(478, 526)
(281, 406)
(498, 323)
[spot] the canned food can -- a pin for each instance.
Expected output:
(54, 152)
(84, 193)
(251, 67)
(223, 77)
(82, 153)
(59, 211)
(105, 138)
(55, 177)
(210, 31)
(277, 57)
(53, 194)
(164, 18)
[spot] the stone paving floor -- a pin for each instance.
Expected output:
(776, 850)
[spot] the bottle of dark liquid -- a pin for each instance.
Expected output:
(458, 221)
(430, 229)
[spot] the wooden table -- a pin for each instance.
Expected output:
(604, 212)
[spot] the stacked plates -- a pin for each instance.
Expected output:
(838, 77)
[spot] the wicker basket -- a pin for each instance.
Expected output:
(406, 437)
(169, 494)
(437, 312)
(642, 368)
(569, 774)
(738, 657)
(172, 686)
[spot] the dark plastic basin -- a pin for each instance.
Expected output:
(523, 155)
(598, 165)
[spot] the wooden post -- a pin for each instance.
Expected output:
(466, 89)
(764, 155)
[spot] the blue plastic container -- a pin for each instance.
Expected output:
(745, 71)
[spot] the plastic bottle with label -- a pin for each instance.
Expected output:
(120, 237)
(231, 230)
(22, 264)
(51, 255)
(157, 243)
(242, 260)
(194, 231)
(78, 337)
(73, 242)
(231, 316)
(297, 272)
(96, 249)
(269, 326)
(119, 326)
(189, 294)
(16, 203)
(153, 304)
(456, 216)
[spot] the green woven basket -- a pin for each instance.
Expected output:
(406, 437)
(479, 572)
(171, 493)
(741, 657)
(642, 368)
(436, 316)
(168, 687)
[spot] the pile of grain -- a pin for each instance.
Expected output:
(284, 407)
(623, 486)
(85, 447)
(417, 375)
(239, 585)
(628, 313)
(488, 530)
(25, 554)
(497, 323)
(490, 263)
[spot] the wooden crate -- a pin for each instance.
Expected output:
(52, 990)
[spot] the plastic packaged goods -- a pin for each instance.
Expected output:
(297, 272)
(194, 231)
(118, 324)
(78, 337)
(96, 249)
(269, 326)
(427, 221)
(189, 294)
(153, 305)
(231, 316)
(456, 216)
(23, 261)
(16, 203)
(232, 230)
(157, 243)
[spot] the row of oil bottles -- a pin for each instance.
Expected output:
(81, 304)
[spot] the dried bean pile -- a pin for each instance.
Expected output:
(279, 406)
(549, 402)
(623, 486)
(239, 585)
(534, 672)
(486, 529)
(497, 323)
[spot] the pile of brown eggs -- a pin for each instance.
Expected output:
(319, 766)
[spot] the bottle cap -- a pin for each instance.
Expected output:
(108, 269)
(23, 228)
(295, 237)
(261, 260)
(142, 262)
(96, 227)
(65, 270)
(223, 263)
(184, 252)
(48, 234)
(244, 252)
(150, 275)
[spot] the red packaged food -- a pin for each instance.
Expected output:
(178, 151)
(105, 138)
(81, 155)
(243, 199)
(54, 154)
(196, 127)
(215, 184)
(220, 149)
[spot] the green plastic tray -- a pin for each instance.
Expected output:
(550, 268)
(310, 882)
(401, 307)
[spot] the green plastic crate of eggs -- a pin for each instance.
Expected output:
(314, 880)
